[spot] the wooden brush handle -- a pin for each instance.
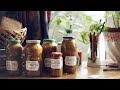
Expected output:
(93, 47)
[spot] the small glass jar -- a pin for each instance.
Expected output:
(33, 58)
(79, 61)
(69, 51)
(14, 58)
(49, 46)
(56, 64)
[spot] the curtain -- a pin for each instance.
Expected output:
(35, 21)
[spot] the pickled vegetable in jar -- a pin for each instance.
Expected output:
(33, 58)
(69, 51)
(56, 64)
(49, 46)
(14, 58)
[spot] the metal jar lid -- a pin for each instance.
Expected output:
(33, 41)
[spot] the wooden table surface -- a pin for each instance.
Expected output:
(83, 72)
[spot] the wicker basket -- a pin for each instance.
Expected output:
(12, 35)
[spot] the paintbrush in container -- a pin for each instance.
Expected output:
(90, 38)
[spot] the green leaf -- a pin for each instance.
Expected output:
(75, 30)
(58, 21)
(84, 37)
(88, 17)
(108, 14)
(78, 24)
(52, 20)
(68, 31)
(62, 32)
(63, 24)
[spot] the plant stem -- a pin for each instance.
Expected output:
(118, 19)
(66, 34)
(54, 28)
(53, 32)
(118, 22)
(70, 26)
(114, 20)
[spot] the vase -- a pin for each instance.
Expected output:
(96, 52)
(112, 44)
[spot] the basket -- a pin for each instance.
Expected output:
(12, 35)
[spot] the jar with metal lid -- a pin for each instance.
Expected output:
(69, 51)
(33, 58)
(56, 64)
(49, 46)
(14, 57)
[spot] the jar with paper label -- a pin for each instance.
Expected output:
(49, 46)
(69, 51)
(33, 58)
(14, 58)
(56, 64)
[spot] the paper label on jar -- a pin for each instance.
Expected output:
(32, 65)
(70, 60)
(12, 65)
(47, 62)
(56, 63)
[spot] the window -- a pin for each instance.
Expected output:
(79, 18)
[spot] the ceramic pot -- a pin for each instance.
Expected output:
(112, 44)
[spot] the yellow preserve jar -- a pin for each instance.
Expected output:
(14, 58)
(69, 50)
(49, 46)
(33, 58)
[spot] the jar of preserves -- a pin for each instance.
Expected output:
(79, 58)
(14, 58)
(69, 51)
(49, 46)
(33, 58)
(56, 64)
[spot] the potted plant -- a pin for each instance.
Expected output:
(96, 27)
(112, 36)
(65, 25)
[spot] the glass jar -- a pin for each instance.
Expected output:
(79, 61)
(2, 60)
(69, 51)
(33, 58)
(49, 46)
(14, 58)
(56, 64)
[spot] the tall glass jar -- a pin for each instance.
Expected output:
(69, 50)
(14, 58)
(33, 58)
(49, 46)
